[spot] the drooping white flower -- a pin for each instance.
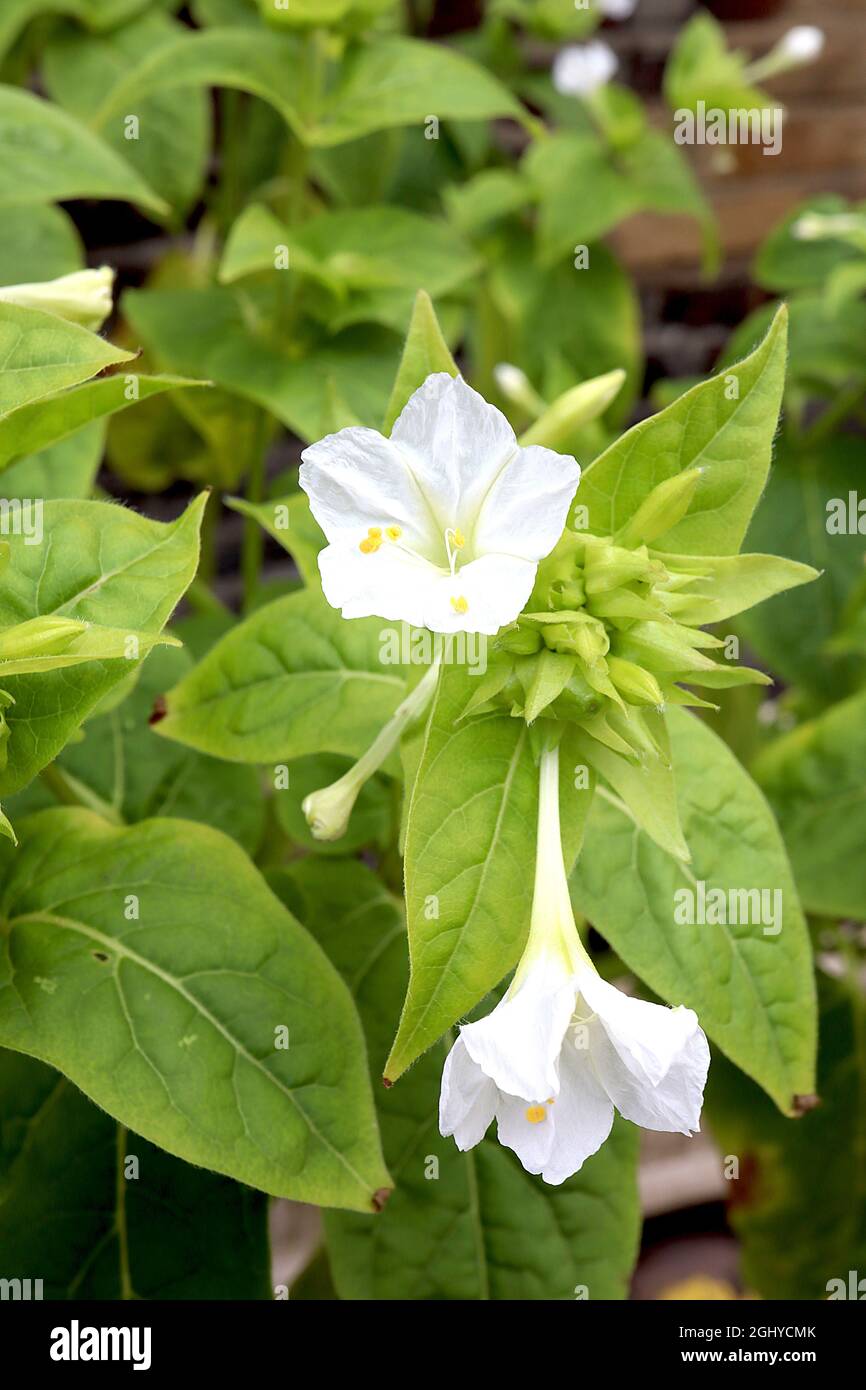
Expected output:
(580, 69)
(442, 525)
(564, 1049)
(84, 297)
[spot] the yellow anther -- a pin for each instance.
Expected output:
(460, 605)
(375, 533)
(369, 545)
(550, 1100)
(459, 540)
(394, 533)
(535, 1114)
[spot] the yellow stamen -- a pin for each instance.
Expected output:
(460, 605)
(375, 533)
(369, 545)
(550, 1100)
(459, 540)
(394, 533)
(535, 1114)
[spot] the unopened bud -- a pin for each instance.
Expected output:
(84, 297)
(573, 409)
(661, 510)
(639, 687)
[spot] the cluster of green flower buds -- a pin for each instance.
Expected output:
(613, 629)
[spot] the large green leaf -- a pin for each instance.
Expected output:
(751, 988)
(171, 145)
(38, 243)
(153, 967)
(66, 468)
(790, 632)
(814, 780)
(41, 354)
(115, 1229)
(101, 564)
(470, 847)
(49, 156)
(799, 1207)
(294, 678)
(725, 426)
(223, 335)
(457, 1226)
(122, 770)
(52, 418)
(370, 260)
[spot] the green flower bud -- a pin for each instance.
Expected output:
(45, 636)
(572, 410)
(661, 510)
(637, 686)
(519, 639)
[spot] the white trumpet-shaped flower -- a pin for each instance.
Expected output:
(564, 1049)
(442, 525)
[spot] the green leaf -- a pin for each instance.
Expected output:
(702, 68)
(425, 351)
(172, 143)
(120, 769)
(50, 157)
(52, 418)
(294, 678)
(179, 1037)
(470, 846)
(104, 1234)
(224, 336)
(729, 436)
(396, 81)
(67, 468)
(814, 780)
(752, 989)
(292, 524)
(586, 188)
(786, 261)
(475, 1226)
(38, 243)
(799, 1207)
(100, 564)
(790, 633)
(42, 353)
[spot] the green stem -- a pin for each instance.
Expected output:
(253, 544)
(69, 791)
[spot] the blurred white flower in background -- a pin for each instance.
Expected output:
(617, 9)
(442, 525)
(802, 44)
(580, 69)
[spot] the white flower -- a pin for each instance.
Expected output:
(442, 525)
(582, 68)
(84, 297)
(617, 9)
(802, 44)
(564, 1049)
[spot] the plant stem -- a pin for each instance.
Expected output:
(69, 791)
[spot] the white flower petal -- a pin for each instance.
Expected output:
(386, 584)
(674, 1104)
(456, 442)
(526, 509)
(356, 479)
(647, 1037)
(467, 1099)
(531, 1142)
(582, 1115)
(518, 1043)
(481, 597)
